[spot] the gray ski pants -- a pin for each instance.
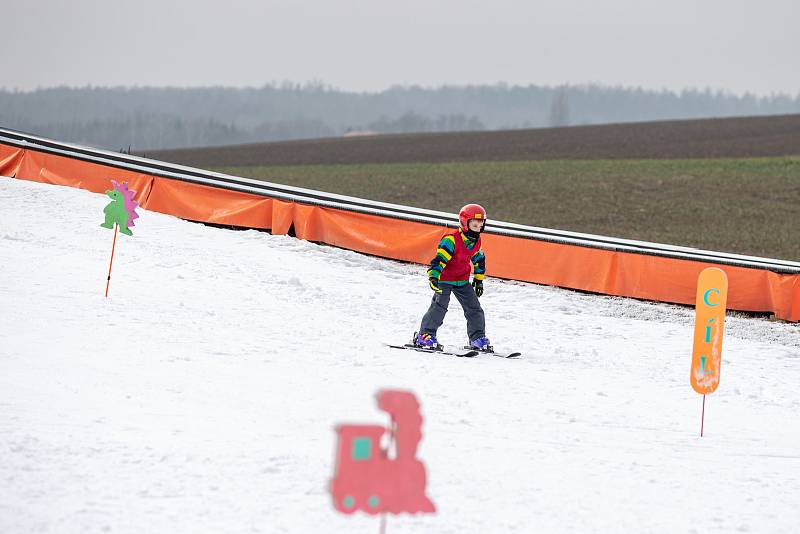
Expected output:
(434, 317)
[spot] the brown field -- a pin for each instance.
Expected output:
(707, 138)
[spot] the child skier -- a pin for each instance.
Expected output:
(458, 253)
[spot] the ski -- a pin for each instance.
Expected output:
(466, 353)
(498, 354)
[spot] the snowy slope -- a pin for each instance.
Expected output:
(201, 395)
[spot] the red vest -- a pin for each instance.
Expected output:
(460, 265)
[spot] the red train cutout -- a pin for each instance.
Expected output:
(366, 478)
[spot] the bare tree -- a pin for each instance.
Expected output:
(559, 109)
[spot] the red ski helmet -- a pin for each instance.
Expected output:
(471, 211)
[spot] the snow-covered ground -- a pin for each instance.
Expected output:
(201, 396)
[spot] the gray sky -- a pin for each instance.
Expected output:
(369, 45)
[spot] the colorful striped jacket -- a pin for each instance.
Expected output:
(445, 251)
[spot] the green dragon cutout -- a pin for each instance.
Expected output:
(122, 210)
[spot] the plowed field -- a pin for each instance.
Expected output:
(710, 138)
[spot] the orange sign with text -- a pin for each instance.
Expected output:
(712, 296)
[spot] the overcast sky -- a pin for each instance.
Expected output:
(370, 45)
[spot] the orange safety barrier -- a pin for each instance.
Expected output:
(60, 170)
(590, 269)
(208, 204)
(10, 159)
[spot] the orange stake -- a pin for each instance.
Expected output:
(108, 280)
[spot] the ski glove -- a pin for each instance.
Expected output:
(477, 285)
(434, 283)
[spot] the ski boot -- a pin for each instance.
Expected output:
(481, 344)
(426, 341)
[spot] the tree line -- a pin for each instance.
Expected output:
(152, 118)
